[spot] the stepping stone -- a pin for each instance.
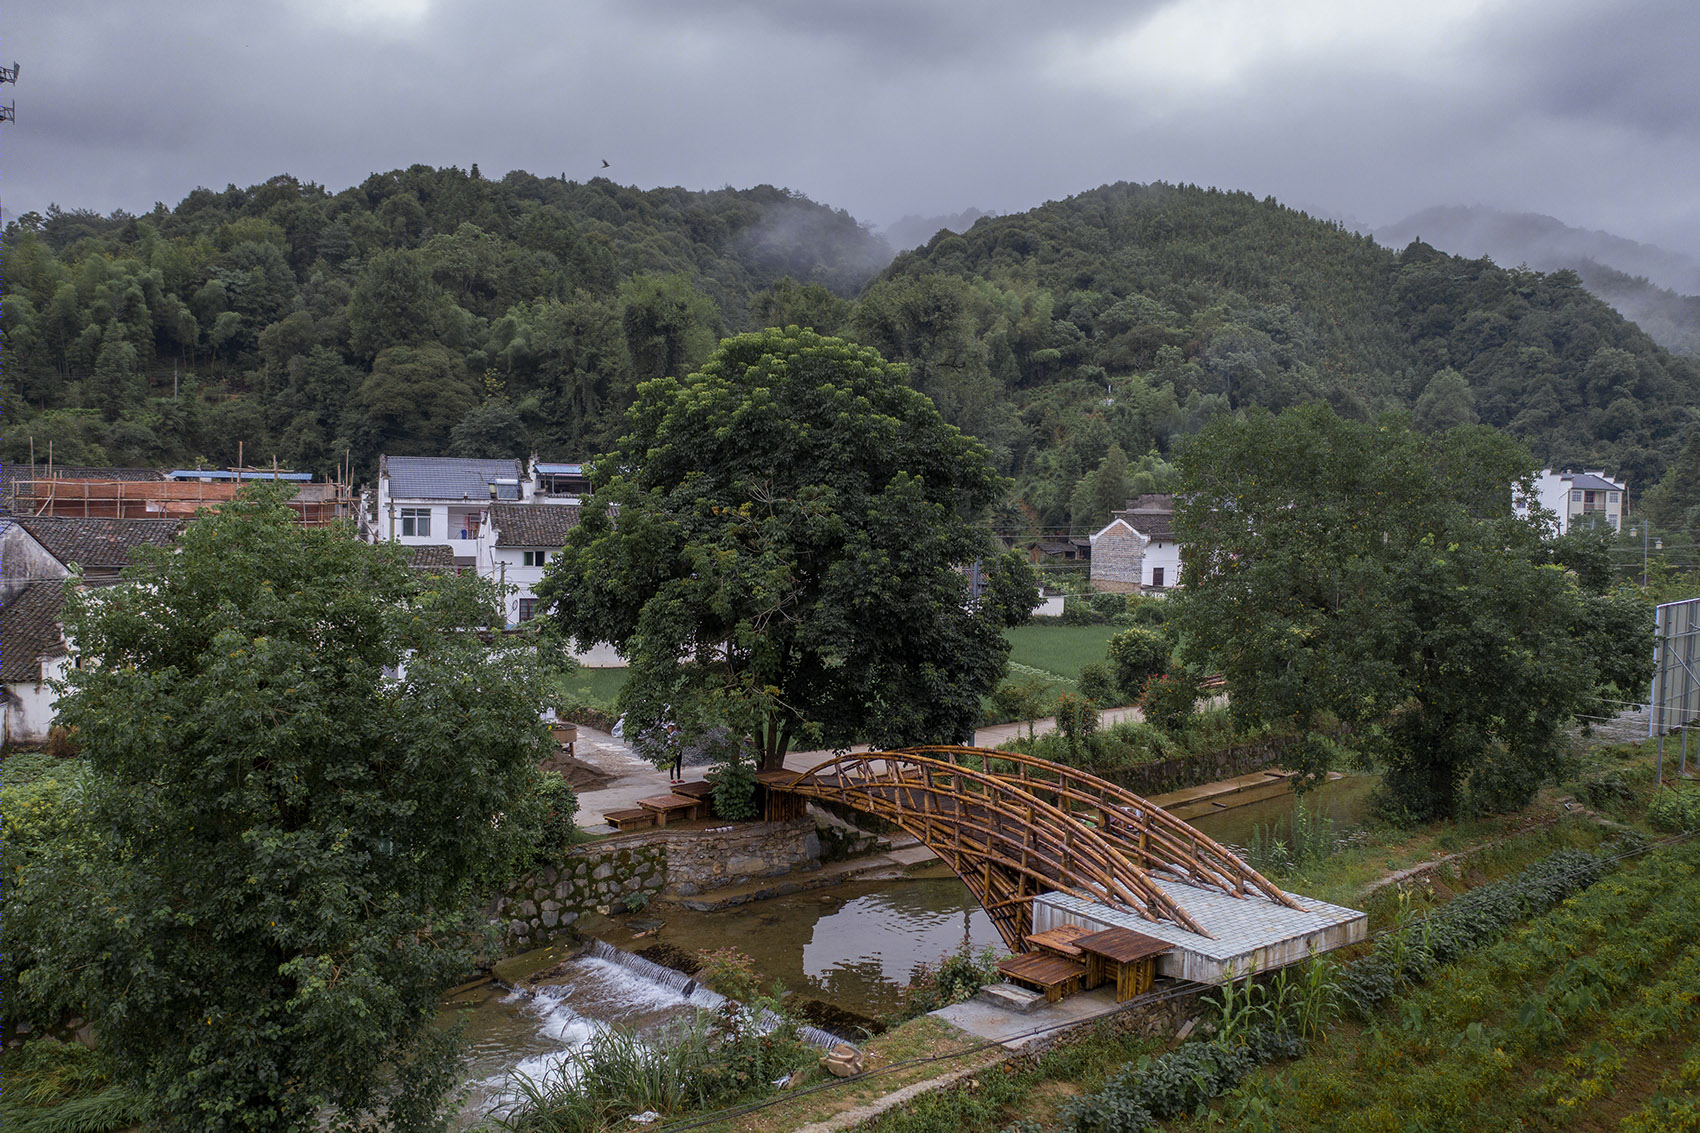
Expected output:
(1009, 997)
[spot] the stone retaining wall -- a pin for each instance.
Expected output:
(1189, 771)
(628, 870)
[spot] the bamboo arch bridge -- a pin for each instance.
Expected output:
(1013, 827)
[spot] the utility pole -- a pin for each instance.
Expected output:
(9, 111)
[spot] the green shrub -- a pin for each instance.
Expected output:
(1169, 699)
(1675, 809)
(1136, 654)
(1024, 699)
(45, 845)
(1098, 684)
(735, 789)
(1077, 720)
(558, 829)
(955, 978)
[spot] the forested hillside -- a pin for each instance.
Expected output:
(421, 311)
(1657, 289)
(433, 311)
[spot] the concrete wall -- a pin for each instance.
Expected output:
(30, 707)
(603, 876)
(22, 561)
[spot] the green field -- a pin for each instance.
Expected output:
(1588, 1018)
(1053, 652)
(1057, 651)
(595, 688)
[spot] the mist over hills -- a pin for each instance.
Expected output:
(1655, 287)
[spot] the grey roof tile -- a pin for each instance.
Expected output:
(446, 477)
(97, 544)
(532, 525)
(29, 631)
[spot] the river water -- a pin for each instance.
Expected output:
(852, 946)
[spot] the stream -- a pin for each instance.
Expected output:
(851, 946)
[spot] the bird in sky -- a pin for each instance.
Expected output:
(605, 163)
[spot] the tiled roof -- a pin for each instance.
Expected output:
(1593, 482)
(15, 471)
(97, 544)
(446, 477)
(29, 631)
(429, 556)
(1152, 515)
(533, 525)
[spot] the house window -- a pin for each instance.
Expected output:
(1157, 577)
(527, 609)
(533, 558)
(1611, 497)
(1576, 496)
(416, 521)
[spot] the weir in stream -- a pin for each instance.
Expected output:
(529, 1032)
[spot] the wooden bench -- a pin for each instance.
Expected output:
(1053, 975)
(670, 806)
(629, 819)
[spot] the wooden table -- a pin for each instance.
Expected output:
(1059, 941)
(670, 806)
(1053, 975)
(1130, 956)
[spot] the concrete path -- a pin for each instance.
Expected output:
(634, 777)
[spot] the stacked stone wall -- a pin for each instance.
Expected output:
(629, 870)
(1190, 770)
(1118, 561)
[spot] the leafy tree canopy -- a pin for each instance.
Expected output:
(1365, 573)
(775, 546)
(288, 832)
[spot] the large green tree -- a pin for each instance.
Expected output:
(1364, 573)
(775, 544)
(302, 764)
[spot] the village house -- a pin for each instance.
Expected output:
(1579, 499)
(1136, 551)
(515, 545)
(38, 554)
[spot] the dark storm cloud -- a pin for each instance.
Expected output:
(884, 107)
(1634, 69)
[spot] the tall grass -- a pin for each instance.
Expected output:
(1285, 845)
(695, 1064)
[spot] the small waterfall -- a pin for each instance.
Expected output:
(694, 993)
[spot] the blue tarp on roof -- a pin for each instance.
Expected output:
(226, 474)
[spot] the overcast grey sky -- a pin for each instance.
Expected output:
(1586, 110)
